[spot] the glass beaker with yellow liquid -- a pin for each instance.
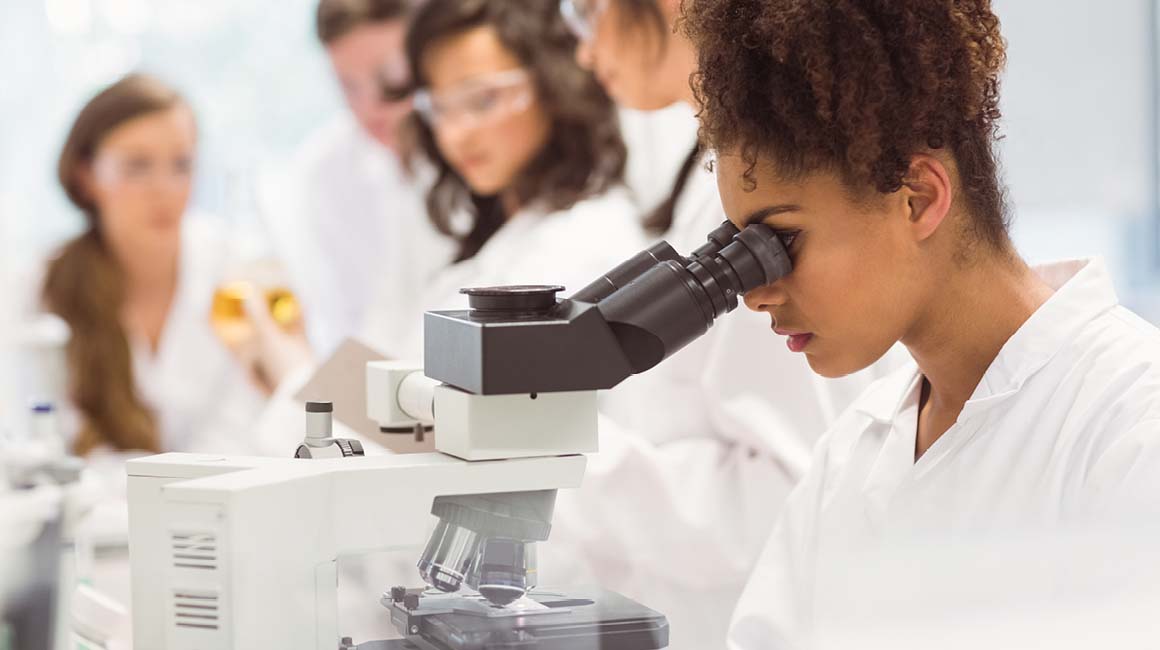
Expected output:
(231, 320)
(253, 276)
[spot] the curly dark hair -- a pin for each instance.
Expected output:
(857, 87)
(584, 155)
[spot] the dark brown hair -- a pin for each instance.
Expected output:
(857, 87)
(584, 154)
(337, 18)
(645, 18)
(661, 218)
(85, 286)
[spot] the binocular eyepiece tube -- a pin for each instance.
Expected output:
(674, 301)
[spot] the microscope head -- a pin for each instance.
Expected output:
(517, 340)
(522, 340)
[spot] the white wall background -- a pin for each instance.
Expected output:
(252, 69)
(1079, 155)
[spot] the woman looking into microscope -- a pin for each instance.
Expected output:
(1033, 397)
(703, 448)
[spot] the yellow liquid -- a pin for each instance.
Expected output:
(229, 305)
(284, 307)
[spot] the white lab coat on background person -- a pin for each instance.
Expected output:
(657, 143)
(570, 248)
(202, 398)
(1063, 429)
(696, 457)
(345, 217)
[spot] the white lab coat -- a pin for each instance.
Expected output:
(202, 398)
(657, 143)
(569, 247)
(696, 457)
(1064, 425)
(345, 218)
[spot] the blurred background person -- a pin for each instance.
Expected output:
(527, 156)
(343, 214)
(146, 372)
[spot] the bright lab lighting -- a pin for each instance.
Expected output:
(69, 17)
(128, 17)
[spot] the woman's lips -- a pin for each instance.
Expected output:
(798, 342)
(795, 341)
(473, 162)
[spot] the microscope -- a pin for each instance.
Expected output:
(241, 552)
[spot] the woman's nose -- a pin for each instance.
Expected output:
(764, 298)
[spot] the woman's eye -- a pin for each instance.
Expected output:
(137, 166)
(483, 100)
(788, 238)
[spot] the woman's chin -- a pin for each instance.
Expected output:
(827, 366)
(483, 185)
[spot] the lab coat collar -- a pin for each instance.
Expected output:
(883, 400)
(1083, 291)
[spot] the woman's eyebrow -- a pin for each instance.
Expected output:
(757, 216)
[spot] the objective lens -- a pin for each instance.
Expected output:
(505, 570)
(448, 556)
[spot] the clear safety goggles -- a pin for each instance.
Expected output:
(581, 16)
(477, 102)
(389, 85)
(141, 171)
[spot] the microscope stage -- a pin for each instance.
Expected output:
(587, 619)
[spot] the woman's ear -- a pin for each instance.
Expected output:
(928, 192)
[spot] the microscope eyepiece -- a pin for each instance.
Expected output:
(719, 238)
(674, 302)
(627, 321)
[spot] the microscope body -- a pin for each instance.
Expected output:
(236, 553)
(245, 556)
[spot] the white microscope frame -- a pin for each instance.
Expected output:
(240, 553)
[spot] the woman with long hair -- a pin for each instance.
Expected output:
(525, 154)
(145, 369)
